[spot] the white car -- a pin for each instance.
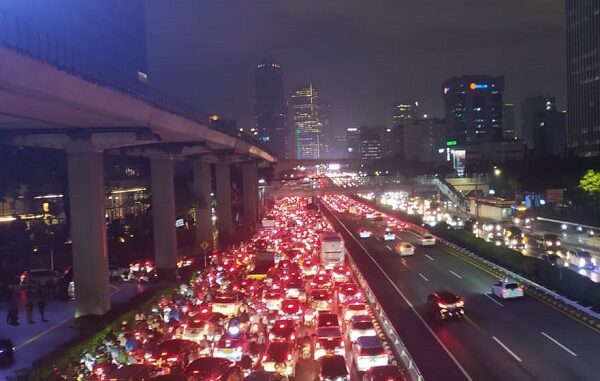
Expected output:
(195, 330)
(364, 233)
(360, 325)
(405, 248)
(354, 309)
(581, 259)
(428, 240)
(388, 235)
(226, 305)
(368, 351)
(507, 289)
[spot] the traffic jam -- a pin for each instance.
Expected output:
(441, 304)
(284, 305)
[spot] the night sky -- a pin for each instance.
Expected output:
(361, 55)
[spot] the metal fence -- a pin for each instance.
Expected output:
(29, 40)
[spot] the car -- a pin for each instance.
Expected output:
(368, 351)
(328, 341)
(35, 277)
(507, 289)
(263, 375)
(391, 222)
(229, 347)
(280, 357)
(445, 304)
(554, 259)
(333, 368)
(7, 352)
(428, 240)
(212, 368)
(370, 215)
(321, 280)
(581, 259)
(364, 233)
(273, 299)
(174, 353)
(388, 235)
(116, 272)
(385, 373)
(404, 249)
(341, 273)
(226, 305)
(378, 217)
(353, 309)
(133, 372)
(283, 330)
(291, 309)
(348, 292)
(321, 300)
(327, 320)
(360, 325)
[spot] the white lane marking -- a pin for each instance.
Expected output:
(559, 344)
(439, 341)
(388, 247)
(34, 338)
(424, 277)
(430, 258)
(403, 261)
(455, 274)
(507, 349)
(494, 300)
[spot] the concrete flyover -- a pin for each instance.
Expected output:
(54, 99)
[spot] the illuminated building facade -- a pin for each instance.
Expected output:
(269, 108)
(353, 143)
(583, 76)
(473, 108)
(406, 111)
(304, 108)
(371, 147)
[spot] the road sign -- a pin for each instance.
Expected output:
(204, 245)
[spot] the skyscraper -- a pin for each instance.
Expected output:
(304, 109)
(473, 108)
(508, 121)
(583, 76)
(544, 127)
(269, 108)
(353, 143)
(371, 147)
(406, 111)
(532, 114)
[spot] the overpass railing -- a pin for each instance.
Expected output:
(29, 40)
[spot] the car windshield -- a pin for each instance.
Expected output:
(584, 254)
(333, 366)
(328, 332)
(512, 286)
(362, 325)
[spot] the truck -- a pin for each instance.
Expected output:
(262, 263)
(333, 250)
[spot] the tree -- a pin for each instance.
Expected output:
(590, 183)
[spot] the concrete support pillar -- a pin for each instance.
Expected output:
(163, 214)
(223, 193)
(88, 231)
(250, 193)
(202, 190)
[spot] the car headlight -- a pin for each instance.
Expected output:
(557, 243)
(581, 262)
(594, 261)
(548, 243)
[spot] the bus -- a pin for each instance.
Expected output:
(332, 249)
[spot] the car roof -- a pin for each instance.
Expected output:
(333, 365)
(446, 295)
(361, 318)
(385, 371)
(369, 342)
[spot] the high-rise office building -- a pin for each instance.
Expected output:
(583, 76)
(370, 142)
(326, 139)
(304, 109)
(473, 108)
(544, 127)
(353, 142)
(422, 140)
(405, 111)
(532, 112)
(508, 121)
(269, 108)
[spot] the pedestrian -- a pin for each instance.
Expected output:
(41, 307)
(12, 317)
(29, 311)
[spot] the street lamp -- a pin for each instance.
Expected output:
(497, 171)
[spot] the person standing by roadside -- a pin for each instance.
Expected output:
(41, 307)
(29, 311)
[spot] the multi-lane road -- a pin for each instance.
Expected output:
(513, 340)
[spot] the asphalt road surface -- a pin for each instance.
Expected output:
(514, 340)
